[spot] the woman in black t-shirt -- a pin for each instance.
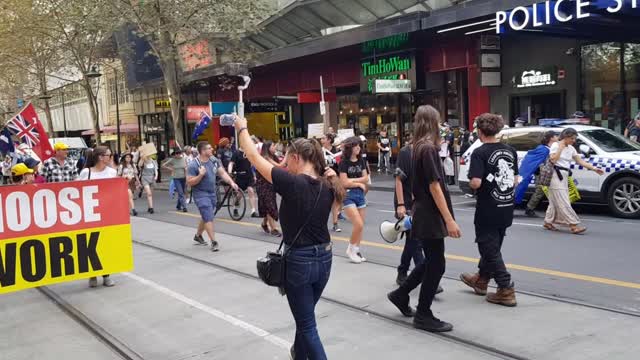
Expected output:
(432, 221)
(304, 228)
(355, 177)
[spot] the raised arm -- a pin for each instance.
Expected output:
(261, 164)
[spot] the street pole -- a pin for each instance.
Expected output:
(117, 112)
(64, 114)
(323, 108)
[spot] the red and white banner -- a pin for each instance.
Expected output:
(29, 130)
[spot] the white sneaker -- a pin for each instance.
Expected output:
(361, 257)
(356, 250)
(353, 256)
(108, 282)
(93, 282)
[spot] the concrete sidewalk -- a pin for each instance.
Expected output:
(538, 328)
(172, 307)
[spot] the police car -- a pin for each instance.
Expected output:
(619, 157)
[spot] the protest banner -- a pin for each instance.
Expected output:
(148, 149)
(315, 131)
(57, 232)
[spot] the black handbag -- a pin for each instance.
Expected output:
(272, 267)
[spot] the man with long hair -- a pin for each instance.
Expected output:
(432, 222)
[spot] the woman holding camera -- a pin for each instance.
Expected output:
(308, 190)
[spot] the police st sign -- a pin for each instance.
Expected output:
(550, 12)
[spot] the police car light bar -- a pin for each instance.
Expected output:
(572, 121)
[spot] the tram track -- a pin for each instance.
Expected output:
(449, 337)
(112, 342)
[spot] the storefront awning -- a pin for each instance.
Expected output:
(309, 19)
(112, 129)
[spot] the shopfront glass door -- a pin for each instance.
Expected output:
(532, 108)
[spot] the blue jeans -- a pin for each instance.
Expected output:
(411, 250)
(308, 271)
(180, 185)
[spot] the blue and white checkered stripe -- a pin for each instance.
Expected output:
(609, 165)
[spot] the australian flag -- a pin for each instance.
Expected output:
(201, 126)
(6, 144)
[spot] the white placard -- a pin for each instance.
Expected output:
(392, 86)
(315, 130)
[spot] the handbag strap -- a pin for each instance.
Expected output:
(295, 239)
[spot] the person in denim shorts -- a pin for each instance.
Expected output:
(354, 177)
(201, 176)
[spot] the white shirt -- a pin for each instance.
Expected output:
(567, 154)
(107, 173)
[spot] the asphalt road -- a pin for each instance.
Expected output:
(598, 268)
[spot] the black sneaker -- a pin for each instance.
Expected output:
(184, 209)
(214, 246)
(401, 302)
(431, 324)
(530, 213)
(236, 213)
(134, 212)
(439, 290)
(199, 239)
(150, 211)
(401, 278)
(255, 215)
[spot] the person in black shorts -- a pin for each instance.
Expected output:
(245, 178)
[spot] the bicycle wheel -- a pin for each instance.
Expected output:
(220, 193)
(237, 204)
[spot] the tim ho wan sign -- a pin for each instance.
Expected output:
(560, 11)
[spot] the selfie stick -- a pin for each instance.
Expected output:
(240, 109)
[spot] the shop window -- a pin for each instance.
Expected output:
(632, 79)
(603, 98)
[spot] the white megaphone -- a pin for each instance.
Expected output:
(390, 230)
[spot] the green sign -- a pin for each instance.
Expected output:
(389, 43)
(389, 68)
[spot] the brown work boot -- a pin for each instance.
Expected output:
(504, 296)
(476, 282)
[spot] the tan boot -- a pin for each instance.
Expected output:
(504, 296)
(476, 282)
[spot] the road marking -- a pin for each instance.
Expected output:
(267, 336)
(561, 274)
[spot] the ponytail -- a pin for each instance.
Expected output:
(311, 151)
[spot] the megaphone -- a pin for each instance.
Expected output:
(390, 230)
